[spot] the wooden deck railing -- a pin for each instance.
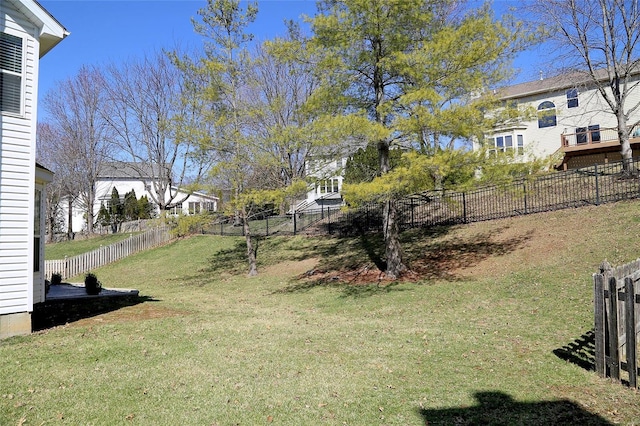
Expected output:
(589, 138)
(595, 138)
(72, 266)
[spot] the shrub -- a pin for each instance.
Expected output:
(56, 278)
(91, 284)
(192, 224)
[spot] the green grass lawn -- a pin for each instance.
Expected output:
(76, 247)
(470, 341)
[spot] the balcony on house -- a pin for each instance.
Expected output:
(594, 145)
(594, 138)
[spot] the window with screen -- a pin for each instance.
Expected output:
(10, 73)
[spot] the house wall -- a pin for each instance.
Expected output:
(39, 293)
(592, 110)
(17, 172)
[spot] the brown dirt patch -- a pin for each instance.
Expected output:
(484, 249)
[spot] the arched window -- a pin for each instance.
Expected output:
(546, 114)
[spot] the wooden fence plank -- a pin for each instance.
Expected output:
(599, 328)
(70, 267)
(614, 358)
(630, 324)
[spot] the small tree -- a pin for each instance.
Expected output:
(116, 210)
(104, 217)
(145, 209)
(130, 208)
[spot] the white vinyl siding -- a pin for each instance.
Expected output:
(17, 176)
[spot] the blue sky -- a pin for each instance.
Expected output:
(105, 31)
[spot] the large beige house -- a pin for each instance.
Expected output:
(569, 118)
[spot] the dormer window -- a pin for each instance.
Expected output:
(10, 73)
(572, 98)
(546, 114)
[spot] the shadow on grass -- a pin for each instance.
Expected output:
(63, 311)
(581, 351)
(348, 290)
(440, 260)
(359, 261)
(498, 408)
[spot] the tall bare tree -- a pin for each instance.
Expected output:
(599, 40)
(278, 88)
(75, 109)
(50, 155)
(150, 101)
(223, 24)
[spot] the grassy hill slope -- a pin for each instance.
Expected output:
(320, 338)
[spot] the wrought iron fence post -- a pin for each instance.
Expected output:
(464, 207)
(524, 189)
(329, 220)
(595, 168)
(412, 218)
(294, 222)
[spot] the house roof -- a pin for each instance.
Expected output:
(51, 31)
(559, 82)
(43, 174)
(197, 193)
(121, 169)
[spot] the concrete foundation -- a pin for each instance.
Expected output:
(15, 324)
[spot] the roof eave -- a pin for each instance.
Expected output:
(51, 33)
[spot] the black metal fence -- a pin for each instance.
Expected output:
(594, 185)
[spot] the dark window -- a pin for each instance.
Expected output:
(572, 98)
(581, 135)
(10, 73)
(546, 114)
(594, 130)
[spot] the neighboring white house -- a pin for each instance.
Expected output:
(27, 32)
(569, 117)
(126, 177)
(325, 191)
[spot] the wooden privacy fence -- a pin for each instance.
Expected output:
(617, 315)
(72, 266)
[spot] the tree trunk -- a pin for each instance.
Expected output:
(251, 252)
(70, 219)
(393, 250)
(90, 213)
(625, 147)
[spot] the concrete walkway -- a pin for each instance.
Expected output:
(77, 291)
